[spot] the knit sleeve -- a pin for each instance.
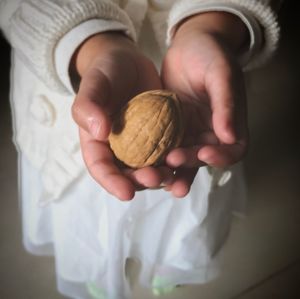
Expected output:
(258, 15)
(36, 27)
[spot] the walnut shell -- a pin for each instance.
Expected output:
(148, 127)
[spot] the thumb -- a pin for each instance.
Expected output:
(88, 109)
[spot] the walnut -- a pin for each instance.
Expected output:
(147, 128)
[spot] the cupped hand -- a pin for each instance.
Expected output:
(112, 71)
(202, 69)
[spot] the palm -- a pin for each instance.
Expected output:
(126, 75)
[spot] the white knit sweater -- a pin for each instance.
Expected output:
(44, 34)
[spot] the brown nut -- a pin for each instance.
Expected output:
(148, 127)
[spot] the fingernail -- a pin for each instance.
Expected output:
(95, 128)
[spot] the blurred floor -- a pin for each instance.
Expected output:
(262, 255)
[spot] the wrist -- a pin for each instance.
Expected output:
(95, 46)
(224, 26)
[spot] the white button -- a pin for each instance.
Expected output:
(42, 110)
(225, 177)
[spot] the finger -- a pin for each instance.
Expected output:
(222, 155)
(88, 109)
(225, 88)
(100, 163)
(184, 178)
(185, 157)
(150, 177)
(188, 156)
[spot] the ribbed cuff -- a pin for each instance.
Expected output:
(38, 26)
(259, 18)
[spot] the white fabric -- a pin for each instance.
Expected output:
(44, 131)
(92, 234)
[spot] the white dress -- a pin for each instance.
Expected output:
(92, 234)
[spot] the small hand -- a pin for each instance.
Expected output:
(112, 71)
(201, 68)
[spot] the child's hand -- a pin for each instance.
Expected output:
(201, 68)
(112, 71)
